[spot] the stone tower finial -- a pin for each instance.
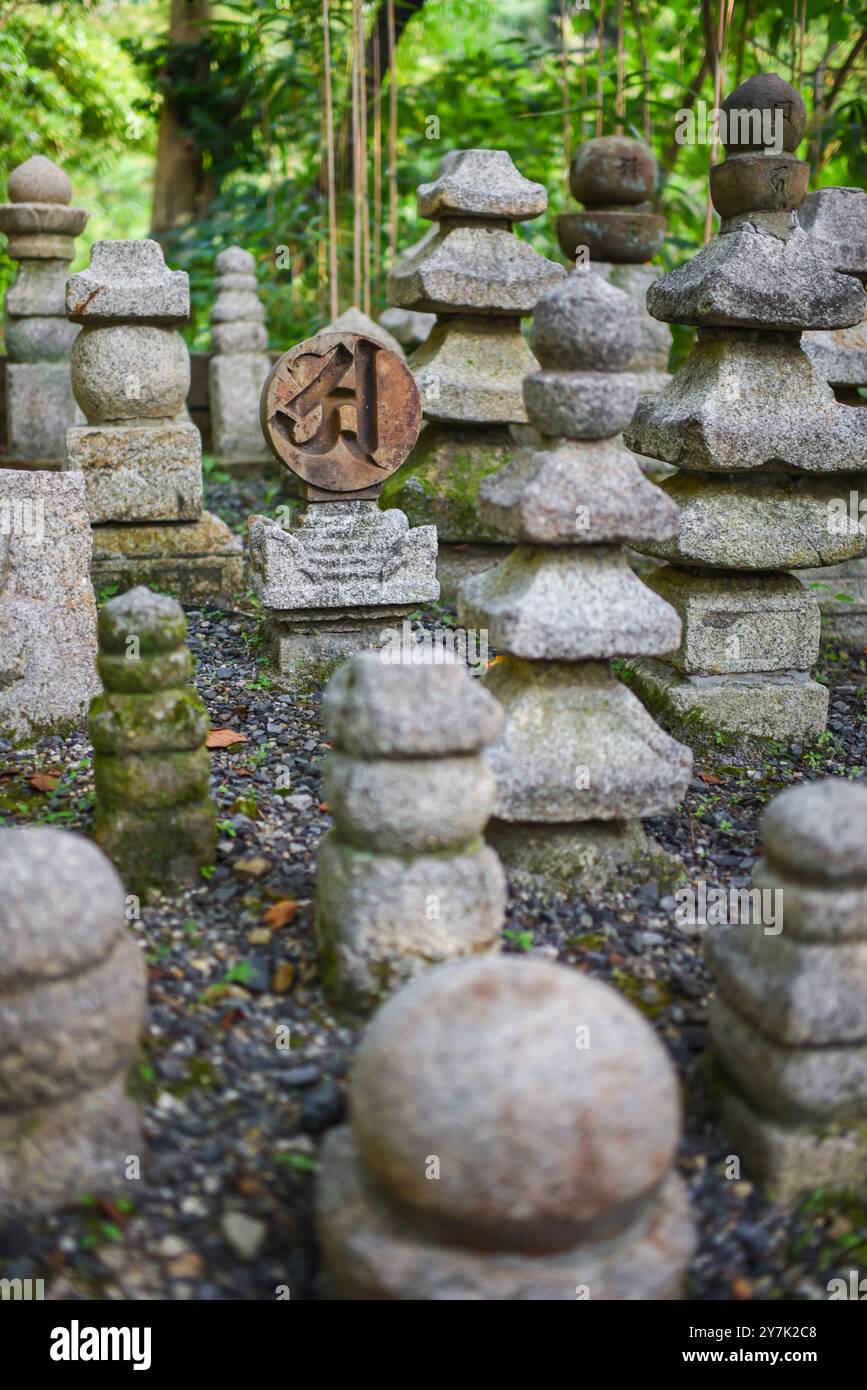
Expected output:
(39, 180)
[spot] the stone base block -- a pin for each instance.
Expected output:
(53, 1155)
(587, 857)
(455, 563)
(740, 624)
(373, 1252)
(791, 1160)
(139, 473)
(39, 408)
(194, 561)
(341, 556)
(162, 849)
(578, 746)
(307, 649)
(728, 717)
(381, 919)
(841, 593)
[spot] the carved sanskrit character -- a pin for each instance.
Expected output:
(342, 412)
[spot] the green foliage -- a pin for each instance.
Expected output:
(84, 83)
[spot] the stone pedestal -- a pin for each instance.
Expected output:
(47, 610)
(72, 994)
(579, 761)
(479, 280)
(837, 218)
(512, 1132)
(41, 229)
(788, 1021)
(762, 444)
(239, 366)
(139, 455)
(337, 579)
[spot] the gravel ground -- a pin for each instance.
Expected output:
(223, 1208)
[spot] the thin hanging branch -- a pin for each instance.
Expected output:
(329, 158)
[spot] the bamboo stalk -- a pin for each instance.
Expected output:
(722, 31)
(377, 164)
(362, 156)
(392, 135)
(645, 72)
(564, 66)
(333, 295)
(600, 68)
(619, 96)
(356, 163)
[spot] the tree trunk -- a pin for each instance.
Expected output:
(182, 189)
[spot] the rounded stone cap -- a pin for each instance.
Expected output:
(377, 707)
(39, 180)
(584, 323)
(613, 169)
(765, 92)
(548, 1101)
(819, 831)
(159, 622)
(235, 261)
(61, 905)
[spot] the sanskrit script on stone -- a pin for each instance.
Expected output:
(341, 411)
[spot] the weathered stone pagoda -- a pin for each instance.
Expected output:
(140, 454)
(788, 1019)
(239, 365)
(761, 444)
(41, 229)
(479, 279)
(837, 218)
(580, 760)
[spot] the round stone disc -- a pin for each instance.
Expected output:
(341, 411)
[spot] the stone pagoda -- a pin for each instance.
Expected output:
(761, 443)
(788, 1017)
(341, 412)
(41, 229)
(139, 452)
(580, 760)
(405, 879)
(239, 365)
(479, 279)
(837, 218)
(615, 178)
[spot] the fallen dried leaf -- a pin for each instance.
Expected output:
(741, 1288)
(324, 806)
(281, 914)
(710, 779)
(224, 738)
(283, 977)
(44, 781)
